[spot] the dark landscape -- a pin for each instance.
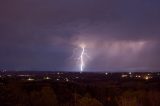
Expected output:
(30, 88)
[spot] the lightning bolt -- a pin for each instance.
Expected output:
(82, 60)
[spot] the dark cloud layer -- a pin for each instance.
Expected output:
(46, 34)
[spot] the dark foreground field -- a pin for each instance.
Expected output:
(88, 90)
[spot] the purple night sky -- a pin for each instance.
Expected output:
(120, 35)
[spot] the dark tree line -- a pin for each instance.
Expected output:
(19, 93)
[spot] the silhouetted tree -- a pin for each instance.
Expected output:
(45, 97)
(88, 101)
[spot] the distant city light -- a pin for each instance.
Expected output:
(67, 79)
(9, 75)
(123, 76)
(47, 78)
(23, 75)
(106, 73)
(30, 79)
(146, 77)
(138, 76)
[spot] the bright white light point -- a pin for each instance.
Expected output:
(30, 79)
(47, 78)
(67, 79)
(82, 57)
(146, 77)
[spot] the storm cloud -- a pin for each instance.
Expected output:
(120, 35)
